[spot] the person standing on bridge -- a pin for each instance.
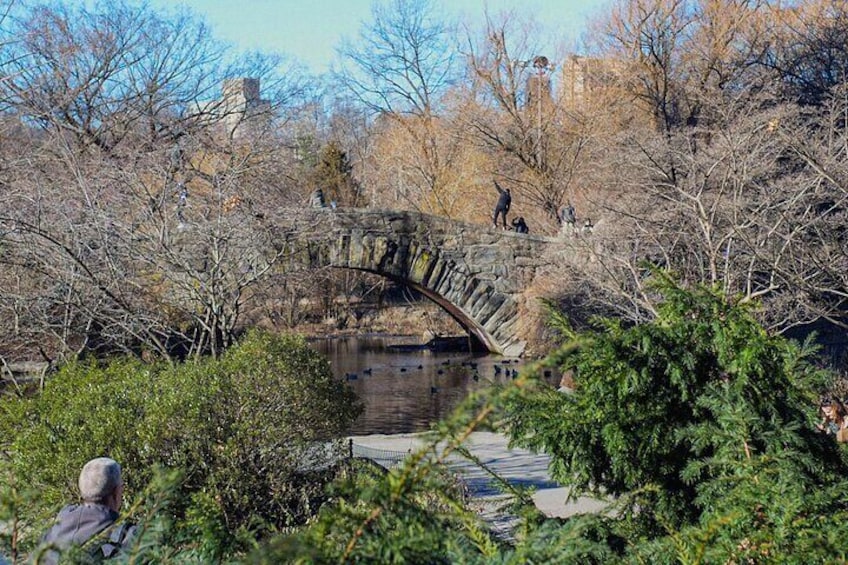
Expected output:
(566, 215)
(502, 207)
(316, 199)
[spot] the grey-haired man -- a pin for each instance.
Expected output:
(101, 489)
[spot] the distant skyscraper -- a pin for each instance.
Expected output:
(240, 110)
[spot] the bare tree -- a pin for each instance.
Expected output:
(538, 141)
(134, 208)
(805, 48)
(401, 67)
(402, 62)
(743, 190)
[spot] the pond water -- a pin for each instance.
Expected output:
(406, 387)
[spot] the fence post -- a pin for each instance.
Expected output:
(350, 448)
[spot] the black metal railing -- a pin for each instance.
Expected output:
(383, 457)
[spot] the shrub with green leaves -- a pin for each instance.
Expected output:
(411, 514)
(667, 413)
(255, 434)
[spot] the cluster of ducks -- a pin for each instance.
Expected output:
(499, 369)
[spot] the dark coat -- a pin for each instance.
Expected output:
(78, 523)
(520, 226)
(504, 200)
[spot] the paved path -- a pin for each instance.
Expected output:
(517, 466)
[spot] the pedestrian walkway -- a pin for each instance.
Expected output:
(519, 467)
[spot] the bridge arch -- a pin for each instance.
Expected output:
(475, 274)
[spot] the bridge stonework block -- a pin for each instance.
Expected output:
(399, 265)
(488, 309)
(340, 255)
(489, 256)
(506, 311)
(470, 293)
(357, 251)
(483, 296)
(383, 252)
(435, 273)
(452, 286)
(370, 253)
(476, 274)
(422, 265)
(412, 253)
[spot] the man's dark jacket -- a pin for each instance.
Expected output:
(78, 523)
(504, 200)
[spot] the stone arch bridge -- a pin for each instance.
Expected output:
(477, 274)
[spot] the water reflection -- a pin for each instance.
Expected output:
(405, 389)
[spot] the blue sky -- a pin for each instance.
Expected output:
(310, 30)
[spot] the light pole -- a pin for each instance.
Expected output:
(542, 66)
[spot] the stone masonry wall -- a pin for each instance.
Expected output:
(478, 274)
